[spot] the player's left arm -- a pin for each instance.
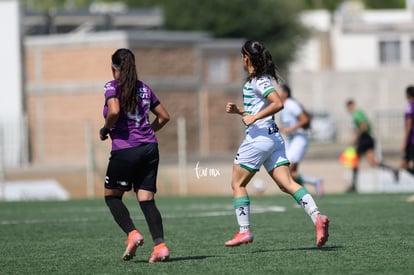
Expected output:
(302, 120)
(161, 117)
(275, 106)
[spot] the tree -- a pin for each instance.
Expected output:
(384, 4)
(46, 5)
(331, 5)
(273, 22)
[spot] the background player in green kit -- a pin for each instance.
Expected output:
(364, 143)
(264, 145)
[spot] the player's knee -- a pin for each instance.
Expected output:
(283, 189)
(237, 185)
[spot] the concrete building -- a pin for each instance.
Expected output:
(351, 54)
(193, 74)
(362, 54)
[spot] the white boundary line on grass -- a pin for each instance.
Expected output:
(228, 213)
(201, 214)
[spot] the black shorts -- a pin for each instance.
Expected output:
(365, 143)
(135, 167)
(409, 152)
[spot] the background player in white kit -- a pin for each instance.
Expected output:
(264, 145)
(293, 121)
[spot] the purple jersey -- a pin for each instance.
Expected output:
(132, 129)
(409, 113)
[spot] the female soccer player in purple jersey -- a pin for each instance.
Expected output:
(134, 156)
(408, 143)
(264, 145)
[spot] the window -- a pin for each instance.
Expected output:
(390, 52)
(218, 70)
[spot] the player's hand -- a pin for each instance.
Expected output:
(282, 130)
(232, 108)
(286, 130)
(103, 133)
(248, 119)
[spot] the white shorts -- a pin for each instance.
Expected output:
(296, 148)
(263, 149)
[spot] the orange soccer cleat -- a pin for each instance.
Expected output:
(240, 238)
(160, 253)
(321, 228)
(133, 241)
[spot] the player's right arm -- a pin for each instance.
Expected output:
(113, 112)
(112, 107)
(232, 108)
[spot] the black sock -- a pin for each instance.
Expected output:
(389, 168)
(120, 213)
(154, 220)
(354, 179)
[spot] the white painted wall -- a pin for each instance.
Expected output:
(356, 48)
(11, 92)
(11, 60)
(307, 57)
(354, 51)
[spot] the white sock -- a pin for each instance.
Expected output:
(243, 217)
(309, 205)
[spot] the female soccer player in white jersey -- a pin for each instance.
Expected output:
(292, 121)
(264, 145)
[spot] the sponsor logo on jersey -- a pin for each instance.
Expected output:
(122, 183)
(143, 93)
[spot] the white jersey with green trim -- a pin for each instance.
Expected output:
(254, 100)
(289, 116)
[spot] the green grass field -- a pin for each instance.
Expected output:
(369, 234)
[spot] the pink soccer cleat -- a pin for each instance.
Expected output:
(134, 240)
(321, 228)
(240, 238)
(160, 254)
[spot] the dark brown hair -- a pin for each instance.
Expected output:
(124, 61)
(410, 91)
(261, 60)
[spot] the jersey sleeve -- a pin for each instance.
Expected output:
(154, 101)
(110, 89)
(109, 92)
(296, 108)
(265, 86)
(409, 111)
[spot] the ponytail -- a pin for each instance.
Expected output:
(124, 61)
